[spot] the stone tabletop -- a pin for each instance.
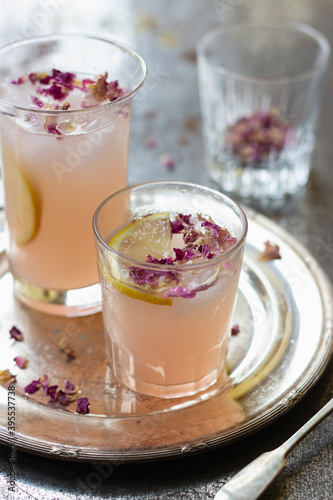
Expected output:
(166, 144)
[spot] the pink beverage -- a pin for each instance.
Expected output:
(67, 179)
(64, 139)
(169, 284)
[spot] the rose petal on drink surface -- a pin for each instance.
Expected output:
(179, 291)
(20, 80)
(214, 227)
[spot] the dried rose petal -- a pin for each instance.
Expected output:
(82, 405)
(214, 227)
(100, 90)
(6, 376)
(16, 334)
(58, 92)
(180, 254)
(66, 348)
(148, 277)
(45, 382)
(164, 260)
(20, 80)
(64, 398)
(188, 254)
(179, 291)
(21, 361)
(37, 101)
(176, 226)
(113, 91)
(52, 129)
(167, 162)
(205, 251)
(235, 330)
(254, 138)
(65, 79)
(69, 387)
(191, 235)
(52, 392)
(85, 82)
(150, 143)
(33, 387)
(70, 394)
(271, 252)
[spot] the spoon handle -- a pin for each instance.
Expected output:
(250, 482)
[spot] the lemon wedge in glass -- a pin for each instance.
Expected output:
(150, 235)
(21, 202)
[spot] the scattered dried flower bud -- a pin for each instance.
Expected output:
(64, 398)
(21, 361)
(16, 334)
(6, 376)
(167, 162)
(271, 252)
(33, 387)
(52, 392)
(19, 81)
(235, 330)
(150, 143)
(82, 405)
(45, 382)
(69, 387)
(66, 348)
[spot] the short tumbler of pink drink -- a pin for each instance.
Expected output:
(64, 123)
(169, 257)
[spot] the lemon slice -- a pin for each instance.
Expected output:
(150, 235)
(21, 202)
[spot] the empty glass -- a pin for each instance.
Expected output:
(260, 88)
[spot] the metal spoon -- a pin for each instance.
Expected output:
(250, 482)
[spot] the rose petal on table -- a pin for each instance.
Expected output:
(21, 361)
(82, 405)
(16, 334)
(271, 252)
(6, 376)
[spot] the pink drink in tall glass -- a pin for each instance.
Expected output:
(64, 139)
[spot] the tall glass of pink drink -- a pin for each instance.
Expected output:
(64, 123)
(169, 256)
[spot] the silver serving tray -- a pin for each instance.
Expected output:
(284, 310)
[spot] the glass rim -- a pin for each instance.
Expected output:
(292, 26)
(46, 38)
(181, 267)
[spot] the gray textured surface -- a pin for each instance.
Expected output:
(165, 33)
